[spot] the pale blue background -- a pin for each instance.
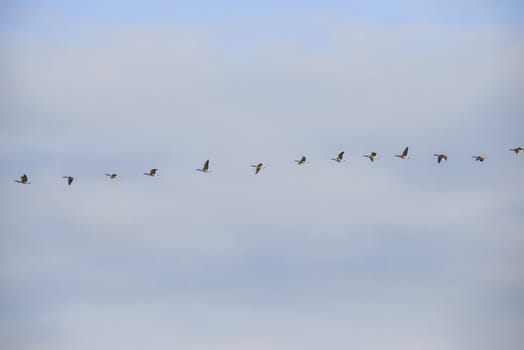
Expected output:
(391, 255)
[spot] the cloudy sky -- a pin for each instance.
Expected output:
(386, 255)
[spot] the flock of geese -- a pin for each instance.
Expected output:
(302, 161)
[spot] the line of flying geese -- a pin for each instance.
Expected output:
(302, 161)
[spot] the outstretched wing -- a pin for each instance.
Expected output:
(341, 155)
(206, 165)
(153, 172)
(405, 152)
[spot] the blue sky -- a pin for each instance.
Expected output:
(218, 11)
(390, 255)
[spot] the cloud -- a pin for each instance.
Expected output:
(374, 255)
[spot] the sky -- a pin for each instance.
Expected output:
(394, 254)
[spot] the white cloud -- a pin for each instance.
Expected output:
(293, 257)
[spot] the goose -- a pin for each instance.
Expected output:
(404, 154)
(440, 157)
(372, 156)
(302, 161)
(339, 158)
(70, 179)
(517, 150)
(205, 168)
(23, 180)
(113, 176)
(258, 167)
(479, 158)
(152, 172)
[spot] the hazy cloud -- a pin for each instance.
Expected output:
(376, 256)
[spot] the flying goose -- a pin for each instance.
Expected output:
(440, 157)
(258, 167)
(404, 154)
(302, 161)
(205, 168)
(339, 158)
(372, 156)
(152, 172)
(113, 176)
(69, 179)
(23, 180)
(517, 150)
(479, 158)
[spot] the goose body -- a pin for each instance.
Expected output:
(404, 154)
(258, 167)
(371, 156)
(517, 150)
(302, 161)
(113, 176)
(23, 180)
(70, 179)
(339, 158)
(152, 172)
(479, 158)
(440, 157)
(205, 167)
